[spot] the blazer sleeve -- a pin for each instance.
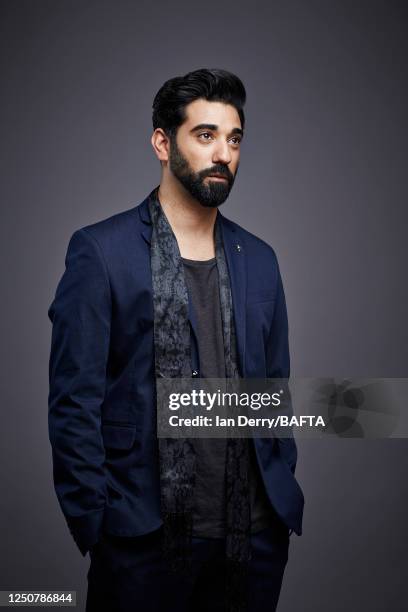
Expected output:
(278, 364)
(80, 314)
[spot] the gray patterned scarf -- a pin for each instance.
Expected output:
(177, 456)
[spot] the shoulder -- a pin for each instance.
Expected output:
(114, 226)
(111, 232)
(255, 247)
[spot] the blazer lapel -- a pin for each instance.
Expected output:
(235, 256)
(146, 229)
(146, 232)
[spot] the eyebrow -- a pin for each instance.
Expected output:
(214, 128)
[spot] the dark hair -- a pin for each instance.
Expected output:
(213, 85)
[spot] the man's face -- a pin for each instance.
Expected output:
(207, 143)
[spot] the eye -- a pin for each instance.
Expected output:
(205, 134)
(237, 140)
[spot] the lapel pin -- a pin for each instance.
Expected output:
(238, 247)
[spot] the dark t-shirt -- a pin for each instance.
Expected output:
(210, 494)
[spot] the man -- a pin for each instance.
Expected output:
(172, 288)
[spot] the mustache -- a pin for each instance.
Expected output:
(218, 169)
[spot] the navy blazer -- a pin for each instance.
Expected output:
(102, 417)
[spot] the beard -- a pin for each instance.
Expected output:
(210, 194)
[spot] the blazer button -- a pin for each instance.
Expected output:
(194, 373)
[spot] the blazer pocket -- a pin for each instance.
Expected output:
(260, 296)
(118, 436)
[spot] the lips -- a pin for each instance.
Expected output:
(218, 176)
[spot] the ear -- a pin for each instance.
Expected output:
(160, 144)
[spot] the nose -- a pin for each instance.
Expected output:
(222, 153)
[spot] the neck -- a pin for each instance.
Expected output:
(185, 215)
(192, 223)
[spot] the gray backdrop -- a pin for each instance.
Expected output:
(322, 179)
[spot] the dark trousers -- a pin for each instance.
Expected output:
(129, 575)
